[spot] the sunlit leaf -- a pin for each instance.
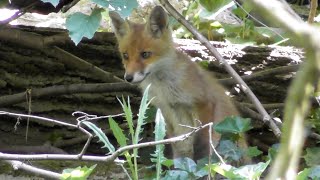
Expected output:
(79, 173)
(81, 25)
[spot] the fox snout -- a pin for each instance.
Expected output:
(135, 77)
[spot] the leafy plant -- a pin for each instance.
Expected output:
(79, 173)
(81, 25)
(186, 168)
(160, 132)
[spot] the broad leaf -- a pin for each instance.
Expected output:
(79, 173)
(225, 170)
(117, 132)
(233, 125)
(81, 25)
(229, 150)
(315, 173)
(253, 151)
(185, 164)
(53, 2)
(252, 171)
(176, 175)
(99, 133)
(214, 5)
(312, 156)
(124, 7)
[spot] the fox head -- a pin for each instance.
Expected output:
(141, 45)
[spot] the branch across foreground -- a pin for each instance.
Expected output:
(244, 87)
(298, 101)
(13, 158)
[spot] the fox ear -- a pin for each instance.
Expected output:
(118, 24)
(158, 21)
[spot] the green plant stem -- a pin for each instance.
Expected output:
(297, 104)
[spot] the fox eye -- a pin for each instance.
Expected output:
(125, 56)
(145, 54)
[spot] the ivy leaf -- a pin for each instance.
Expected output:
(234, 125)
(176, 174)
(124, 7)
(53, 2)
(252, 171)
(185, 164)
(229, 150)
(253, 151)
(312, 156)
(81, 25)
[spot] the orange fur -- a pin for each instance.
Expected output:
(182, 90)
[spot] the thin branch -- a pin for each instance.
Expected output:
(108, 158)
(244, 87)
(68, 89)
(45, 173)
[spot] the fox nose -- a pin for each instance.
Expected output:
(128, 77)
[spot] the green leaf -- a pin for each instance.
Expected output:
(243, 11)
(225, 170)
(168, 163)
(185, 164)
(312, 156)
(128, 114)
(214, 5)
(303, 175)
(315, 173)
(53, 2)
(117, 132)
(234, 124)
(229, 150)
(124, 7)
(176, 175)
(79, 173)
(253, 151)
(244, 172)
(160, 132)
(81, 25)
(141, 115)
(252, 171)
(102, 137)
(272, 152)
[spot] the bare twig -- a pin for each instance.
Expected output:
(68, 89)
(108, 158)
(45, 173)
(244, 87)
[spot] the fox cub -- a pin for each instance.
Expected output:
(183, 91)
